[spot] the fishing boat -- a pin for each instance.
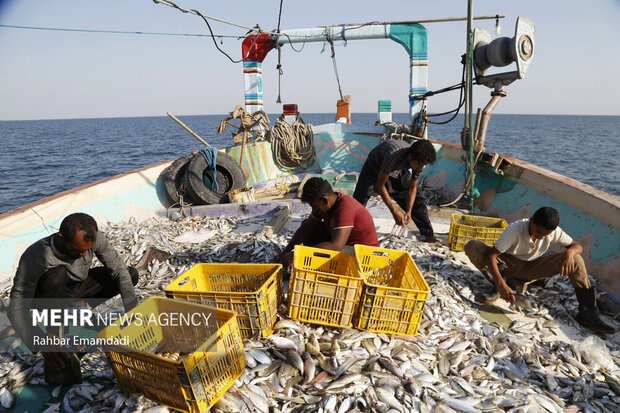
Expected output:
(260, 181)
(497, 185)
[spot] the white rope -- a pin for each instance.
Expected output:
(293, 145)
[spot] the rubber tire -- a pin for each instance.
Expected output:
(172, 179)
(229, 177)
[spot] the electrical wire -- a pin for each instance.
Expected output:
(11, 26)
(461, 102)
(279, 16)
(290, 42)
(279, 47)
(206, 18)
(196, 12)
(211, 34)
(218, 48)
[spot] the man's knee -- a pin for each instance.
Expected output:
(53, 283)
(318, 236)
(579, 277)
(580, 265)
(474, 248)
(360, 194)
(365, 182)
(579, 262)
(133, 273)
(476, 251)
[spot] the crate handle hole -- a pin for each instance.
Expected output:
(322, 255)
(330, 280)
(380, 254)
(126, 321)
(183, 281)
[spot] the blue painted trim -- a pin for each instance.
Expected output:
(511, 195)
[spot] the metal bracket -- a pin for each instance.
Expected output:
(500, 165)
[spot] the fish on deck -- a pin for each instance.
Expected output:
(459, 361)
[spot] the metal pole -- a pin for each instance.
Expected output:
(448, 19)
(470, 100)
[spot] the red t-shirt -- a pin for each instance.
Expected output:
(347, 212)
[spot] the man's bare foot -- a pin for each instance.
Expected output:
(430, 238)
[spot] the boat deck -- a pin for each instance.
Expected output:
(466, 357)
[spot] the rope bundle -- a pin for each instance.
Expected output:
(293, 145)
(210, 155)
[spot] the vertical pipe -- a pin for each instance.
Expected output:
(418, 85)
(255, 48)
(253, 79)
(485, 116)
(470, 69)
(414, 38)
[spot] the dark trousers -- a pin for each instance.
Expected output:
(98, 287)
(398, 189)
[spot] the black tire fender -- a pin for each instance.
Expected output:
(229, 177)
(173, 176)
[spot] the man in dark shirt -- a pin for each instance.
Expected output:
(387, 169)
(55, 272)
(337, 220)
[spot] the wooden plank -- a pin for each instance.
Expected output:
(277, 222)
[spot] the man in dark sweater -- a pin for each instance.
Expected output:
(55, 272)
(387, 170)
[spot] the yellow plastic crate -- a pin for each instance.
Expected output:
(464, 228)
(212, 354)
(325, 287)
(254, 291)
(394, 291)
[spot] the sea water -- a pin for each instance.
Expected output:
(44, 157)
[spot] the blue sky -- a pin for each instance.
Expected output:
(46, 74)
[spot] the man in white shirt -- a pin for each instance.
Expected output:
(518, 256)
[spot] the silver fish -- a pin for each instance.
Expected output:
(282, 343)
(6, 398)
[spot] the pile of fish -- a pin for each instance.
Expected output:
(458, 362)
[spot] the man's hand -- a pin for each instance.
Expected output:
(505, 292)
(568, 265)
(406, 218)
(399, 218)
(286, 259)
(56, 360)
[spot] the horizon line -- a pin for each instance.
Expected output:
(275, 113)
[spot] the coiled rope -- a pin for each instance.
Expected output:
(293, 145)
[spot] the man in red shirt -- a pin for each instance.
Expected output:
(336, 220)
